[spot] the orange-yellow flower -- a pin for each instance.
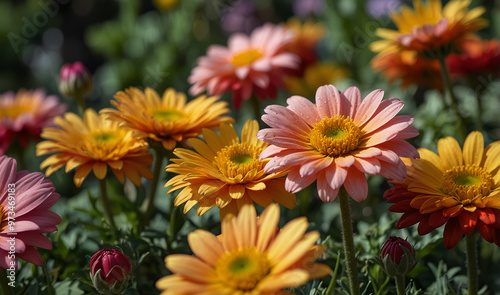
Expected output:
(458, 188)
(93, 144)
(430, 27)
(226, 172)
(307, 36)
(419, 71)
(168, 120)
(251, 257)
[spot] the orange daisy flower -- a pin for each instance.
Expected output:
(226, 172)
(419, 71)
(250, 258)
(93, 144)
(168, 120)
(430, 27)
(459, 188)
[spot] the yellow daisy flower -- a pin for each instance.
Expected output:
(226, 172)
(93, 144)
(251, 257)
(169, 119)
(430, 27)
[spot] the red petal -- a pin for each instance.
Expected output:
(486, 231)
(452, 233)
(401, 206)
(468, 221)
(437, 219)
(409, 218)
(487, 216)
(424, 227)
(453, 211)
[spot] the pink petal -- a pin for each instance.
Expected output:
(353, 95)
(368, 107)
(242, 72)
(282, 138)
(238, 43)
(295, 183)
(345, 161)
(263, 65)
(388, 131)
(284, 118)
(387, 110)
(356, 185)
(367, 153)
(368, 166)
(304, 108)
(270, 151)
(335, 175)
(325, 192)
(314, 166)
(328, 101)
(285, 60)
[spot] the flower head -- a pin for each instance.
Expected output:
(250, 258)
(430, 27)
(250, 65)
(110, 271)
(478, 57)
(26, 199)
(397, 256)
(337, 140)
(75, 80)
(226, 172)
(169, 119)
(458, 188)
(23, 116)
(94, 143)
(420, 71)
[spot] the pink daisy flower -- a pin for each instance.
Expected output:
(24, 199)
(337, 141)
(23, 116)
(251, 64)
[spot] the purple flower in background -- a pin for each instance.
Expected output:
(380, 8)
(305, 7)
(240, 17)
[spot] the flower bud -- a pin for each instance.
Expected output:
(110, 271)
(397, 256)
(74, 80)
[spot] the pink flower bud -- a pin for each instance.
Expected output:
(397, 257)
(110, 271)
(392, 247)
(74, 80)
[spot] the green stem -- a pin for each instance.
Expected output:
(400, 284)
(479, 113)
(150, 201)
(454, 101)
(331, 286)
(81, 104)
(347, 237)
(4, 283)
(472, 269)
(20, 157)
(50, 288)
(106, 204)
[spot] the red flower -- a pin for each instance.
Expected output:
(393, 248)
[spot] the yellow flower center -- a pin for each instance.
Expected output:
(246, 57)
(238, 159)
(15, 111)
(104, 137)
(242, 269)
(467, 183)
(335, 136)
(167, 115)
(103, 143)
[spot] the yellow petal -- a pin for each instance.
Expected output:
(450, 152)
(255, 186)
(100, 169)
(206, 246)
(474, 148)
(298, 250)
(249, 132)
(236, 191)
(228, 135)
(190, 267)
(289, 235)
(268, 225)
(288, 279)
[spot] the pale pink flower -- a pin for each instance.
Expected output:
(29, 196)
(252, 64)
(24, 114)
(337, 141)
